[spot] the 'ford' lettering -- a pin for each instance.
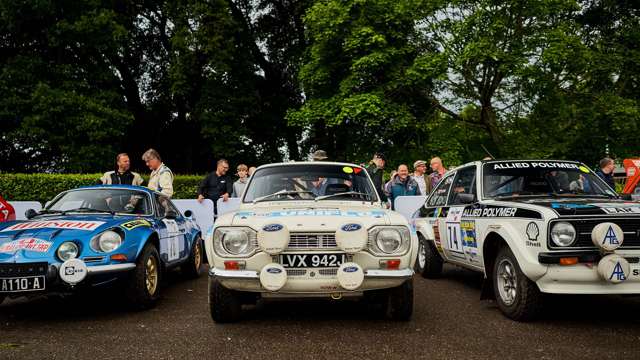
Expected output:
(351, 227)
(274, 271)
(350, 269)
(272, 227)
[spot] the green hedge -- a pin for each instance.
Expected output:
(43, 187)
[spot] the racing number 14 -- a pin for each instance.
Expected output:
(454, 241)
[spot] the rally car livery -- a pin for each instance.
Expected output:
(94, 236)
(314, 229)
(531, 227)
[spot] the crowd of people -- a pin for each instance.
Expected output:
(219, 185)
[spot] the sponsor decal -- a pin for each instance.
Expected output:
(491, 212)
(535, 165)
(636, 272)
(289, 213)
(56, 224)
(436, 237)
(468, 228)
(621, 210)
(31, 244)
(610, 237)
(274, 271)
(135, 223)
(351, 227)
(618, 273)
(272, 227)
(350, 269)
(571, 206)
(347, 170)
(532, 235)
(584, 169)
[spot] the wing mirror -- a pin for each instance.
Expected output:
(626, 197)
(466, 198)
(29, 214)
(188, 213)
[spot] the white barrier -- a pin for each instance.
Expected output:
(202, 212)
(21, 206)
(407, 205)
(228, 206)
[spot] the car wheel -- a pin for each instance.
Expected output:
(224, 304)
(399, 302)
(518, 297)
(143, 290)
(192, 268)
(429, 263)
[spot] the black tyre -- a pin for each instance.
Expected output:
(192, 268)
(143, 289)
(399, 302)
(518, 297)
(2, 297)
(428, 263)
(224, 304)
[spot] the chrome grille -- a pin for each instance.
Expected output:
(296, 272)
(312, 240)
(328, 272)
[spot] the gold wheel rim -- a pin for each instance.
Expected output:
(151, 272)
(196, 251)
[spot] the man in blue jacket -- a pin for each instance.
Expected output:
(402, 185)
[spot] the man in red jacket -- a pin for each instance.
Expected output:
(7, 212)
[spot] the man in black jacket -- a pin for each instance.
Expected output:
(376, 172)
(216, 185)
(607, 166)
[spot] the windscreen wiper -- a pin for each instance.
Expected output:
(281, 192)
(87, 209)
(342, 193)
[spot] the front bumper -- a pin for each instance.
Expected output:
(247, 280)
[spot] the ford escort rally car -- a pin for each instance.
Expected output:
(310, 229)
(94, 236)
(531, 227)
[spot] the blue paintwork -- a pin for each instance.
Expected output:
(134, 239)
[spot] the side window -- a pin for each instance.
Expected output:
(464, 183)
(439, 195)
(163, 204)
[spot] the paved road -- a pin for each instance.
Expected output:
(449, 322)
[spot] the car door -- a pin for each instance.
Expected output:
(172, 230)
(434, 209)
(460, 230)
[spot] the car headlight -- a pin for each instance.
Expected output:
(563, 234)
(234, 241)
(109, 241)
(67, 250)
(389, 240)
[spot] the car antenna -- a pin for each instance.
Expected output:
(487, 151)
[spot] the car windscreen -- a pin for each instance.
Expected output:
(103, 200)
(310, 181)
(541, 178)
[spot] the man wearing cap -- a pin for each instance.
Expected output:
(376, 172)
(419, 170)
(319, 155)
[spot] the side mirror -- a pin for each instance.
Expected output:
(466, 198)
(29, 214)
(188, 213)
(171, 214)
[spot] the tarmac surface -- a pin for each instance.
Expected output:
(449, 322)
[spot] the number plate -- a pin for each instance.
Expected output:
(19, 284)
(311, 260)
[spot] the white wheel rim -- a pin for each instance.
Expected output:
(422, 255)
(507, 282)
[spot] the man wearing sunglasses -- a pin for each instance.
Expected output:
(216, 185)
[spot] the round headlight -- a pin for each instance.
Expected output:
(109, 241)
(389, 240)
(235, 241)
(67, 250)
(563, 234)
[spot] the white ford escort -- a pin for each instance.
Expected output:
(310, 229)
(531, 227)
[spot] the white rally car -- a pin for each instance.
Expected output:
(310, 229)
(531, 227)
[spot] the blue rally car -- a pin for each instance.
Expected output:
(97, 235)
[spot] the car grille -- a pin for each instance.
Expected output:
(29, 269)
(630, 227)
(322, 272)
(312, 241)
